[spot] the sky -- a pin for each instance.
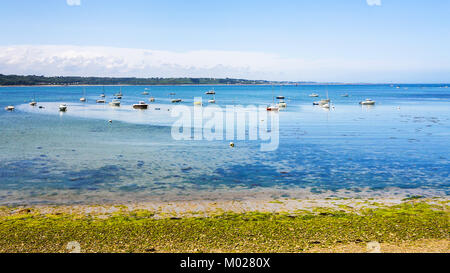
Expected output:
(373, 41)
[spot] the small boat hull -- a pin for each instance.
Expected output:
(140, 106)
(63, 108)
(367, 102)
(114, 104)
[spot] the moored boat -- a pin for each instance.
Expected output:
(141, 105)
(282, 104)
(10, 108)
(367, 102)
(115, 103)
(63, 107)
(272, 108)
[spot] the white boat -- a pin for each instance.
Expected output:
(272, 108)
(176, 100)
(83, 99)
(326, 106)
(280, 98)
(344, 95)
(141, 105)
(63, 107)
(103, 92)
(100, 101)
(282, 104)
(10, 108)
(367, 102)
(212, 101)
(211, 92)
(33, 103)
(152, 99)
(115, 103)
(119, 95)
(314, 95)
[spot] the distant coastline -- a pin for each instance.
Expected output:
(61, 81)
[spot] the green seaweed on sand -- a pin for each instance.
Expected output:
(141, 231)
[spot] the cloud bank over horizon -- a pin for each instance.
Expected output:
(373, 2)
(73, 2)
(67, 60)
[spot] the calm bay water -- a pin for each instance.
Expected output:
(400, 143)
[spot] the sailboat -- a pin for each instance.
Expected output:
(272, 107)
(119, 95)
(83, 99)
(325, 103)
(115, 103)
(103, 93)
(213, 100)
(145, 93)
(33, 102)
(281, 103)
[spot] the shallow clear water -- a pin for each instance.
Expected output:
(78, 157)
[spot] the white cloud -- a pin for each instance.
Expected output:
(73, 2)
(374, 2)
(67, 60)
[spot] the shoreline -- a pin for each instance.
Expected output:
(276, 226)
(263, 84)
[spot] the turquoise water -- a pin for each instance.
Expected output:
(401, 143)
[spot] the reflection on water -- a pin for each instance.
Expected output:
(78, 156)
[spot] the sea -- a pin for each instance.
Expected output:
(94, 153)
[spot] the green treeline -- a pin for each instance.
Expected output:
(41, 80)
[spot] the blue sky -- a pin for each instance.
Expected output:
(320, 40)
